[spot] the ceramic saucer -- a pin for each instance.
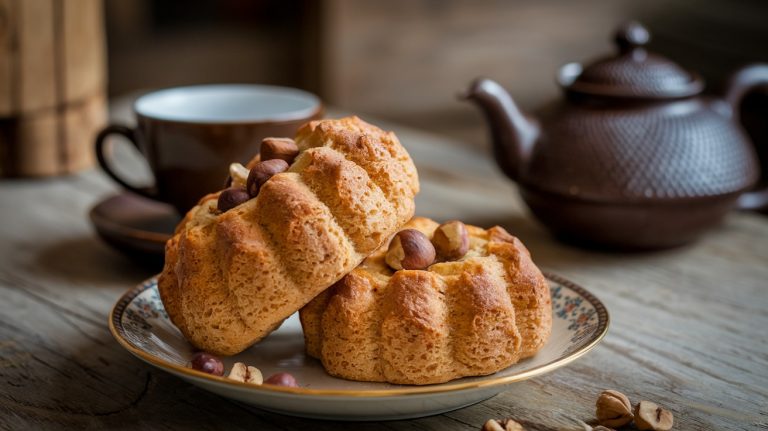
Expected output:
(137, 226)
(140, 324)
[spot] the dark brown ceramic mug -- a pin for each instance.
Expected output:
(190, 135)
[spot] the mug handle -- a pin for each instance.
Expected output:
(106, 165)
(741, 83)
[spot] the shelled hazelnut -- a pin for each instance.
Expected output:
(650, 416)
(451, 240)
(502, 425)
(245, 373)
(613, 409)
(238, 175)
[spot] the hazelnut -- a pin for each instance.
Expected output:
(279, 148)
(502, 425)
(410, 249)
(263, 171)
(282, 379)
(238, 175)
(451, 240)
(248, 374)
(207, 363)
(649, 416)
(613, 409)
(231, 198)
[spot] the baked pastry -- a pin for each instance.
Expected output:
(238, 266)
(474, 315)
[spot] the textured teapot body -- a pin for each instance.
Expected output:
(640, 153)
(632, 157)
(637, 177)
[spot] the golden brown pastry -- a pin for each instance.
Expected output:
(471, 316)
(232, 277)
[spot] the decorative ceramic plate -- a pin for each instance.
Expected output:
(141, 325)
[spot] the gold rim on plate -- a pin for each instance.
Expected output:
(115, 326)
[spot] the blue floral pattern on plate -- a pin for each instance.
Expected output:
(141, 325)
(577, 318)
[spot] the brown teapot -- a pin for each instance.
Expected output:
(633, 157)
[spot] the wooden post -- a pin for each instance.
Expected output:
(52, 85)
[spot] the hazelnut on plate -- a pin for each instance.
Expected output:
(207, 363)
(410, 249)
(282, 379)
(245, 373)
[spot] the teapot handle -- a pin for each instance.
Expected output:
(741, 83)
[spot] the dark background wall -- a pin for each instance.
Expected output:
(405, 60)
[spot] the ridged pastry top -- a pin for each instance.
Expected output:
(230, 278)
(472, 316)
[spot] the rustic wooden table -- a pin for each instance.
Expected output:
(688, 325)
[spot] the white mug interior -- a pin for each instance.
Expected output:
(228, 103)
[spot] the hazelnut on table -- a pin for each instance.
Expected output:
(613, 409)
(650, 416)
(502, 425)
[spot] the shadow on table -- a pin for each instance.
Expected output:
(88, 260)
(92, 384)
(550, 252)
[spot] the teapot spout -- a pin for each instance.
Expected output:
(512, 134)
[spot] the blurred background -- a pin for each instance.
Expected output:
(405, 60)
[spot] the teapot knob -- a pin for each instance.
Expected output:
(631, 36)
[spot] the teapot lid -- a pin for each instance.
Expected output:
(633, 73)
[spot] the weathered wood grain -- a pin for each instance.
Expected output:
(52, 52)
(84, 50)
(36, 54)
(52, 85)
(688, 325)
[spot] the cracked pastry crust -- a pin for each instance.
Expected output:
(231, 278)
(473, 316)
